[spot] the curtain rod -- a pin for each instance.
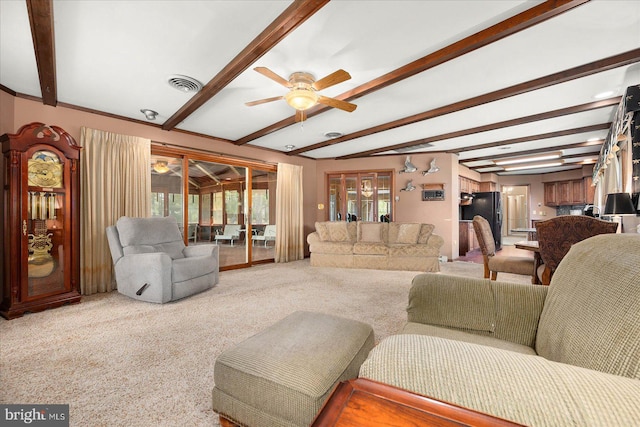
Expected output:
(199, 150)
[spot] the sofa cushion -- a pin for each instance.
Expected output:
(461, 335)
(323, 232)
(364, 248)
(408, 233)
(402, 250)
(337, 231)
(334, 248)
(523, 388)
(370, 232)
(592, 311)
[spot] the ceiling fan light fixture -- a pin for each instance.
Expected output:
(161, 166)
(301, 99)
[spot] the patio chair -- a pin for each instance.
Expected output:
(268, 235)
(230, 232)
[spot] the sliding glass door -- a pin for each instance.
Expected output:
(211, 200)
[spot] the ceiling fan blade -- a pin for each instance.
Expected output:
(332, 79)
(301, 116)
(263, 101)
(336, 103)
(273, 76)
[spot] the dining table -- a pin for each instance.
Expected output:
(533, 246)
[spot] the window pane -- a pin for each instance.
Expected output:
(232, 205)
(335, 199)
(384, 197)
(352, 199)
(166, 187)
(217, 208)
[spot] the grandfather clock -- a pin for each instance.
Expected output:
(41, 220)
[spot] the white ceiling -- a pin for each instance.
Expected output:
(116, 57)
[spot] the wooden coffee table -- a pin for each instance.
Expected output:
(366, 403)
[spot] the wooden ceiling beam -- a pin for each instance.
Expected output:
(297, 13)
(42, 32)
(596, 146)
(499, 125)
(519, 22)
(572, 156)
(585, 70)
(528, 138)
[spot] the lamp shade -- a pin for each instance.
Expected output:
(619, 204)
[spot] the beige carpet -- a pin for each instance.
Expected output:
(120, 362)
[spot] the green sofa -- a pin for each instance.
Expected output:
(563, 355)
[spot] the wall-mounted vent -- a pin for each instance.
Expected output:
(184, 83)
(413, 147)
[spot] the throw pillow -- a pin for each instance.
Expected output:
(371, 233)
(425, 232)
(323, 233)
(408, 233)
(338, 231)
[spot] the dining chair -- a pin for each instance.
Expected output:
(556, 235)
(502, 263)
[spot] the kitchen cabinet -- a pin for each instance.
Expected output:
(468, 185)
(566, 193)
(550, 196)
(467, 238)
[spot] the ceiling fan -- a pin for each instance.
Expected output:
(304, 91)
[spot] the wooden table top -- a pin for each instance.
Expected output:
(530, 245)
(365, 403)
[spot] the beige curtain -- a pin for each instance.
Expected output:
(289, 214)
(115, 182)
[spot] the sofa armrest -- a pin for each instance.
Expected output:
(507, 311)
(313, 237)
(435, 241)
(201, 250)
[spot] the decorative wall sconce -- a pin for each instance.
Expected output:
(432, 168)
(408, 166)
(409, 186)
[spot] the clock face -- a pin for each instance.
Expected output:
(45, 170)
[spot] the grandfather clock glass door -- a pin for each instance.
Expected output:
(44, 226)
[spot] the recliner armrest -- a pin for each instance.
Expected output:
(507, 311)
(133, 271)
(201, 250)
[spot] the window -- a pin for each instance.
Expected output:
(362, 196)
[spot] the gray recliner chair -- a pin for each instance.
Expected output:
(152, 263)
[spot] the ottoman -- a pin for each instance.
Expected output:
(282, 375)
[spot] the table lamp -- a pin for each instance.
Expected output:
(619, 204)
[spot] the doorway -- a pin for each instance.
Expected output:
(516, 213)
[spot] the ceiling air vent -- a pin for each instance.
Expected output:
(184, 83)
(413, 147)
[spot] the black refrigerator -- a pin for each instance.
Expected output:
(488, 205)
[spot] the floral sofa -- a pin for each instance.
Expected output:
(377, 245)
